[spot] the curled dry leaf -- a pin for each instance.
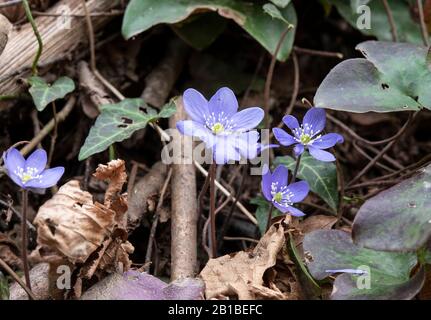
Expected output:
(241, 274)
(71, 224)
(91, 236)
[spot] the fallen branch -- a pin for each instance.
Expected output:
(184, 207)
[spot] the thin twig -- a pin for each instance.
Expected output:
(295, 85)
(424, 28)
(358, 137)
(9, 3)
(12, 273)
(391, 20)
(155, 221)
(240, 239)
(36, 33)
(366, 155)
(381, 153)
(319, 53)
(17, 213)
(49, 126)
(270, 74)
(24, 237)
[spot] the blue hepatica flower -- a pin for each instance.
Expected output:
(280, 194)
(31, 173)
(308, 135)
(218, 123)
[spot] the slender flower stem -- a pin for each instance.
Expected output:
(212, 210)
(268, 223)
(36, 33)
(424, 29)
(295, 172)
(24, 237)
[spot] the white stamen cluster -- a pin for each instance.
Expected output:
(305, 133)
(282, 196)
(219, 124)
(27, 175)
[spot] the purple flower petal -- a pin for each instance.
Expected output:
(327, 141)
(298, 150)
(263, 147)
(247, 144)
(15, 179)
(49, 178)
(13, 160)
(224, 150)
(266, 183)
(280, 176)
(321, 155)
(295, 212)
(223, 101)
(291, 122)
(37, 160)
(316, 119)
(283, 209)
(299, 189)
(195, 129)
(247, 119)
(195, 105)
(283, 137)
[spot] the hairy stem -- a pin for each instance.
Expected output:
(36, 33)
(212, 210)
(295, 172)
(268, 223)
(24, 237)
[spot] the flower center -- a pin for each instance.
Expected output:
(278, 197)
(29, 174)
(217, 128)
(305, 138)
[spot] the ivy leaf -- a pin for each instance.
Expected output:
(262, 212)
(44, 93)
(321, 176)
(118, 122)
(393, 77)
(388, 273)
(397, 219)
(142, 15)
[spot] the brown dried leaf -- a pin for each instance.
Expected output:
(72, 225)
(241, 273)
(115, 173)
(312, 223)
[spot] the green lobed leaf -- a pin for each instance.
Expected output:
(388, 272)
(262, 212)
(44, 93)
(408, 28)
(393, 77)
(321, 176)
(201, 30)
(118, 122)
(141, 15)
(397, 219)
